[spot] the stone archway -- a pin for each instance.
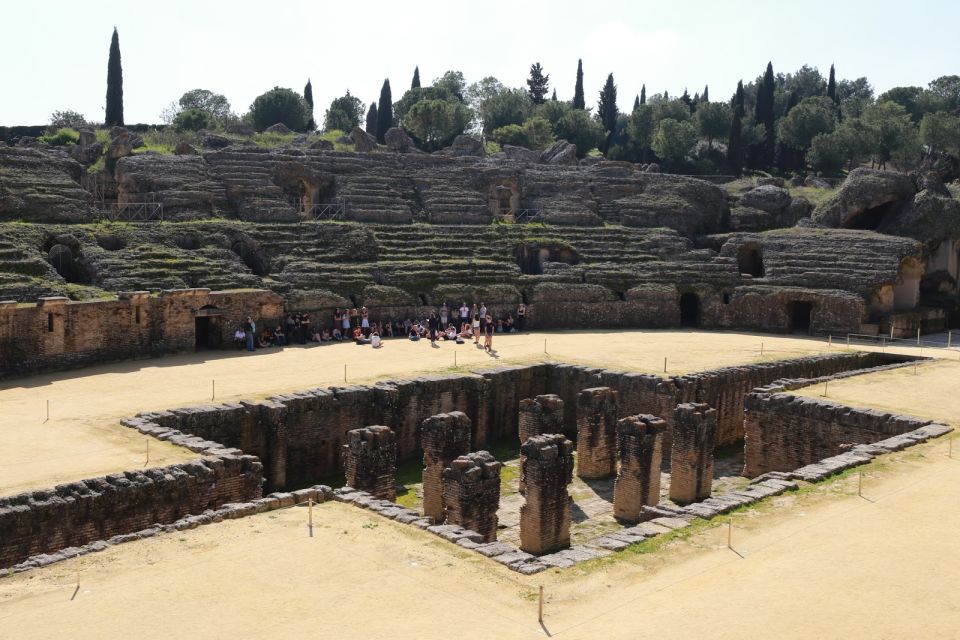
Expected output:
(750, 261)
(303, 187)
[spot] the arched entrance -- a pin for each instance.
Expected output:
(689, 309)
(800, 314)
(208, 328)
(750, 261)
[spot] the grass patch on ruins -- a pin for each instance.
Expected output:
(814, 194)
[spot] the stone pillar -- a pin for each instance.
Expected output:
(471, 493)
(443, 438)
(691, 456)
(370, 461)
(543, 414)
(597, 433)
(545, 515)
(640, 448)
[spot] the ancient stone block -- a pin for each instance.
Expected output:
(691, 458)
(597, 433)
(370, 461)
(545, 515)
(543, 414)
(443, 438)
(640, 449)
(471, 493)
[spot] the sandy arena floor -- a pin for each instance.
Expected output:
(83, 439)
(820, 564)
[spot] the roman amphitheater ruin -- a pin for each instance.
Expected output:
(686, 354)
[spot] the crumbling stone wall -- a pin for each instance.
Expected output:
(370, 461)
(640, 450)
(543, 414)
(443, 437)
(785, 432)
(80, 512)
(691, 457)
(545, 515)
(597, 433)
(471, 493)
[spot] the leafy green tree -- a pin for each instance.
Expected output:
(344, 113)
(827, 153)
(896, 135)
(832, 86)
(808, 119)
(735, 146)
(854, 96)
(640, 129)
(415, 83)
(578, 98)
(940, 131)
(910, 98)
(947, 89)
(576, 126)
(666, 108)
(685, 99)
(114, 111)
(453, 83)
(193, 120)
(539, 132)
(552, 111)
(384, 110)
(512, 134)
(279, 105)
(435, 123)
(509, 106)
(607, 106)
(673, 141)
(713, 121)
(371, 122)
(537, 83)
(67, 119)
(215, 104)
(308, 98)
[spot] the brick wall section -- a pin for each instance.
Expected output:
(785, 432)
(471, 493)
(444, 437)
(597, 433)
(59, 334)
(80, 512)
(543, 414)
(546, 512)
(370, 461)
(640, 450)
(691, 455)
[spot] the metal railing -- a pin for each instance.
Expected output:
(326, 210)
(885, 340)
(132, 212)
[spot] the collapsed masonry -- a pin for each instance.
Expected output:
(370, 461)
(546, 514)
(691, 458)
(471, 493)
(443, 437)
(597, 433)
(640, 450)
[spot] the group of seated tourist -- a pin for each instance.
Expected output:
(456, 325)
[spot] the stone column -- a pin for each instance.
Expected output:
(370, 461)
(471, 493)
(545, 515)
(443, 437)
(543, 414)
(597, 433)
(640, 448)
(691, 456)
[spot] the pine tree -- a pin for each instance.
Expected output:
(764, 114)
(554, 96)
(578, 100)
(384, 110)
(792, 101)
(832, 86)
(114, 114)
(607, 109)
(371, 127)
(415, 83)
(643, 94)
(537, 83)
(636, 102)
(735, 145)
(308, 98)
(705, 96)
(685, 98)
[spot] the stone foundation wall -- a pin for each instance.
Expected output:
(471, 493)
(640, 450)
(691, 456)
(785, 432)
(59, 334)
(370, 461)
(444, 438)
(81, 512)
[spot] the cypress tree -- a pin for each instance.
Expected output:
(114, 114)
(415, 83)
(666, 96)
(554, 96)
(371, 127)
(643, 94)
(705, 96)
(607, 109)
(636, 102)
(792, 101)
(308, 98)
(735, 145)
(537, 83)
(384, 110)
(685, 98)
(764, 114)
(578, 99)
(832, 86)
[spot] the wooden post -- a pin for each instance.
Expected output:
(949, 338)
(147, 461)
(310, 515)
(830, 340)
(918, 335)
(664, 364)
(860, 485)
(545, 345)
(761, 349)
(213, 389)
(454, 358)
(729, 534)
(540, 612)
(48, 412)
(826, 383)
(344, 371)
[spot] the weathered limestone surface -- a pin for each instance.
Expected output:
(443, 438)
(370, 461)
(546, 514)
(471, 493)
(597, 433)
(691, 458)
(640, 450)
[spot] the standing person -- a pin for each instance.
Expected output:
(444, 314)
(476, 329)
(432, 325)
(483, 316)
(354, 318)
(345, 323)
(464, 312)
(365, 321)
(305, 330)
(488, 338)
(337, 316)
(521, 316)
(248, 328)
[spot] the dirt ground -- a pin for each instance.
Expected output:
(83, 439)
(821, 563)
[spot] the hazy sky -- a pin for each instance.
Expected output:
(54, 54)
